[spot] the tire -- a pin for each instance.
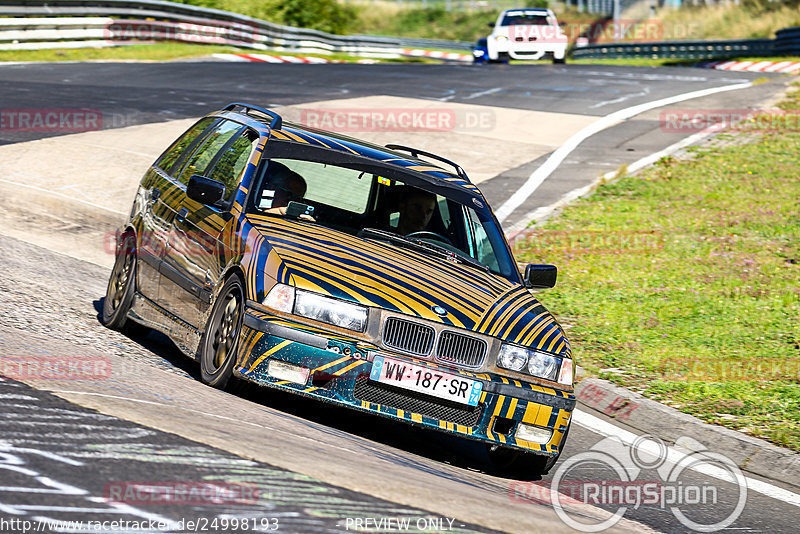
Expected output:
(121, 285)
(221, 338)
(561, 61)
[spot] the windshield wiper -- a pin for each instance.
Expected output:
(420, 246)
(458, 255)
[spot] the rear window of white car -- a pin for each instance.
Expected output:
(532, 18)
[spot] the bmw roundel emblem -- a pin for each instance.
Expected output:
(438, 310)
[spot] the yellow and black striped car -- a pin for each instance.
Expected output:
(372, 277)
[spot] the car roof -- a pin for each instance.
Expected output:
(270, 124)
(529, 10)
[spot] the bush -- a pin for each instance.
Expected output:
(324, 15)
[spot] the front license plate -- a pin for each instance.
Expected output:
(425, 380)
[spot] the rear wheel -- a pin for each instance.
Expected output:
(121, 285)
(559, 61)
(219, 343)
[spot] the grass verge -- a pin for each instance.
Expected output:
(682, 282)
(144, 52)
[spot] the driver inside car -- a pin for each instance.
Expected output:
(284, 186)
(416, 208)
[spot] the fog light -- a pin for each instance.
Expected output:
(287, 371)
(534, 434)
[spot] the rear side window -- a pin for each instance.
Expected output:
(172, 158)
(202, 158)
(232, 162)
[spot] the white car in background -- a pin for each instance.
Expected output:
(527, 33)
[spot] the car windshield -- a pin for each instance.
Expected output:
(531, 18)
(361, 200)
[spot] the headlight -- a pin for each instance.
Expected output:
(501, 38)
(512, 357)
(543, 365)
(332, 311)
(535, 363)
(318, 307)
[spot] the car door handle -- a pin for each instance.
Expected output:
(181, 216)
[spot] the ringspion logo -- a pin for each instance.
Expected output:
(616, 483)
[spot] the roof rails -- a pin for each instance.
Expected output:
(417, 152)
(276, 122)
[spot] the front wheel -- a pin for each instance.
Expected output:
(121, 285)
(557, 61)
(218, 346)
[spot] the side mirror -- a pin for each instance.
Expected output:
(491, 24)
(540, 276)
(205, 190)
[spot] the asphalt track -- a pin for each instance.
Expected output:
(316, 469)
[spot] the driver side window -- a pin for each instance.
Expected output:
(200, 162)
(232, 162)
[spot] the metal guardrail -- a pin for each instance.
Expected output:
(32, 24)
(54, 23)
(786, 42)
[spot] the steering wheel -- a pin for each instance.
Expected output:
(430, 235)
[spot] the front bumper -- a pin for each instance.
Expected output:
(531, 52)
(339, 373)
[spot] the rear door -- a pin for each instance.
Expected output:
(158, 211)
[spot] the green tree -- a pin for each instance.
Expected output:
(324, 15)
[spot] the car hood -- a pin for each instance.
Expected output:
(402, 280)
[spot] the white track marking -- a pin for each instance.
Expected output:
(484, 93)
(604, 428)
(46, 454)
(544, 211)
(556, 158)
(645, 92)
